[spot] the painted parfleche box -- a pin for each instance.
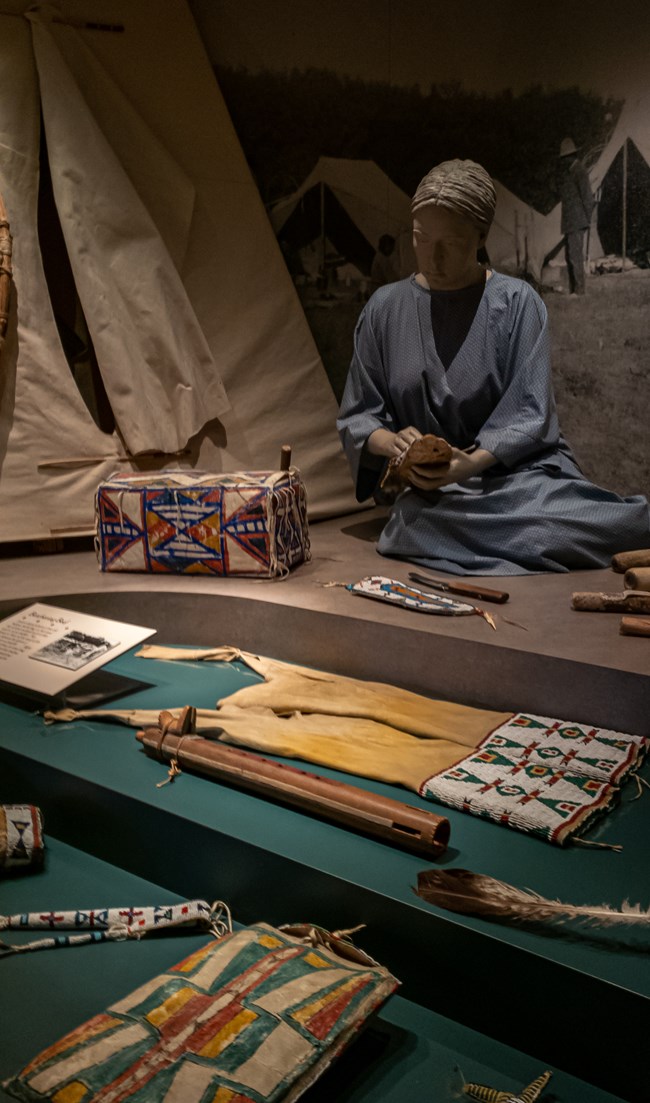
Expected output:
(189, 522)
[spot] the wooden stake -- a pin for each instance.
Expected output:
(624, 560)
(5, 271)
(635, 626)
(637, 578)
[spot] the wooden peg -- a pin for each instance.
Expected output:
(637, 578)
(635, 626)
(285, 457)
(623, 561)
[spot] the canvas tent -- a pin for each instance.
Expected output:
(520, 237)
(346, 203)
(350, 204)
(621, 177)
(620, 181)
(201, 342)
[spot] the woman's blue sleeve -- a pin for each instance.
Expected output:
(365, 406)
(524, 421)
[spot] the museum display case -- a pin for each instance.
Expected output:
(498, 1001)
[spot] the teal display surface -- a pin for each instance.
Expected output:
(108, 754)
(46, 993)
(98, 789)
(406, 1052)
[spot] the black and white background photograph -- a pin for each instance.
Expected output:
(341, 108)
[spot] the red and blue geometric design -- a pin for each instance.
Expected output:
(251, 523)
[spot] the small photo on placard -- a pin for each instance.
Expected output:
(74, 650)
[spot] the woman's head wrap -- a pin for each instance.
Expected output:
(462, 186)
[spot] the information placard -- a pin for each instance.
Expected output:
(45, 649)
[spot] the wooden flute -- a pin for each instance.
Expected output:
(381, 817)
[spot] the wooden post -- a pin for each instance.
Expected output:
(5, 271)
(322, 233)
(624, 201)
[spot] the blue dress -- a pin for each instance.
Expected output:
(530, 512)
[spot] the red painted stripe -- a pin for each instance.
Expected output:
(155, 1060)
(322, 1022)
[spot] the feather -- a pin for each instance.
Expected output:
(460, 890)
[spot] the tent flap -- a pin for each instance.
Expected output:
(149, 346)
(202, 341)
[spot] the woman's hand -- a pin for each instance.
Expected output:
(461, 467)
(384, 443)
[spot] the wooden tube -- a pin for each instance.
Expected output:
(389, 820)
(635, 626)
(624, 560)
(637, 578)
(611, 603)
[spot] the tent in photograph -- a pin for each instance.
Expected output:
(621, 178)
(519, 237)
(152, 320)
(620, 181)
(346, 205)
(343, 205)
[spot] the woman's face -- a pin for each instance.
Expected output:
(445, 246)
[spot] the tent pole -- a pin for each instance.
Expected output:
(624, 200)
(5, 271)
(322, 229)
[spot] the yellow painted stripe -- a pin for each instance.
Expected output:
(72, 1093)
(223, 1095)
(318, 962)
(268, 941)
(227, 1034)
(193, 960)
(304, 1014)
(159, 1015)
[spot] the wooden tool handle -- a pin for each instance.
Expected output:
(635, 626)
(480, 592)
(610, 603)
(390, 820)
(637, 578)
(624, 560)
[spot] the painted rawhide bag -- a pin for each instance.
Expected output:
(21, 838)
(190, 522)
(252, 1018)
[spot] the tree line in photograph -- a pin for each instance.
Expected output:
(286, 120)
